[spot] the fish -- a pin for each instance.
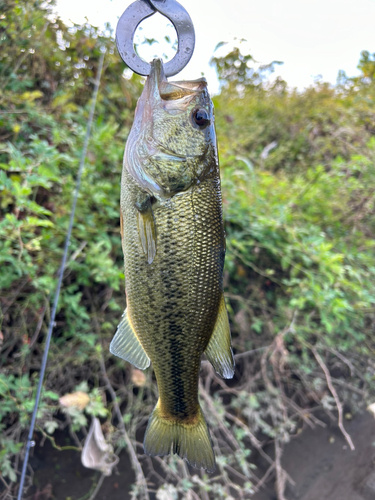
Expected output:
(173, 241)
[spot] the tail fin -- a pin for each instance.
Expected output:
(190, 441)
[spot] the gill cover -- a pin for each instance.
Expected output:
(172, 141)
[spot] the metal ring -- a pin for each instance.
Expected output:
(142, 9)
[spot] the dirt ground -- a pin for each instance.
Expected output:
(323, 466)
(319, 461)
(70, 480)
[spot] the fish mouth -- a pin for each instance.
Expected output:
(182, 91)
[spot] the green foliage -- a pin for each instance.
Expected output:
(299, 204)
(367, 65)
(300, 209)
(237, 70)
(304, 239)
(16, 394)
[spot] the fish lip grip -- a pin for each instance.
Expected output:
(142, 9)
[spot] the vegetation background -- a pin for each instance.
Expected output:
(298, 181)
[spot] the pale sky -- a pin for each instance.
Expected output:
(311, 37)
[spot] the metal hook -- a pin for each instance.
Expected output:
(135, 14)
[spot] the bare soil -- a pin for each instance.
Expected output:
(323, 466)
(70, 480)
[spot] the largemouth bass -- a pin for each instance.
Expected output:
(174, 246)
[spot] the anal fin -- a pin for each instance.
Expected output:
(219, 352)
(125, 344)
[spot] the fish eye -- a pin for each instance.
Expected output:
(200, 117)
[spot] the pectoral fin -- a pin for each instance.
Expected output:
(125, 345)
(219, 352)
(147, 230)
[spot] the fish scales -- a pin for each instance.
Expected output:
(171, 301)
(174, 246)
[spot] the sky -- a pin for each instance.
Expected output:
(313, 38)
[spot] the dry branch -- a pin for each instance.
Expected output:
(281, 475)
(335, 395)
